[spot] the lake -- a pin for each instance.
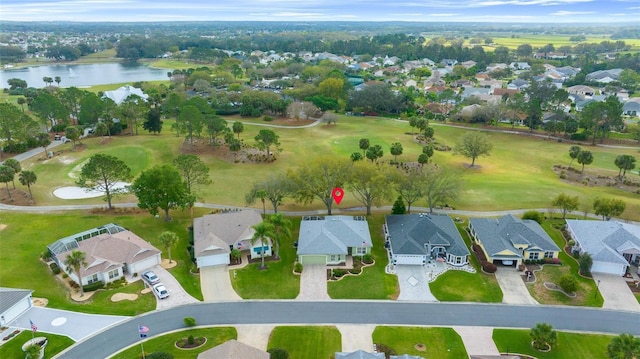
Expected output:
(84, 75)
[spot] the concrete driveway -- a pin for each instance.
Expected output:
(313, 283)
(616, 293)
(177, 294)
(414, 283)
(514, 291)
(215, 284)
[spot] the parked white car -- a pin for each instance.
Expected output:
(160, 291)
(150, 277)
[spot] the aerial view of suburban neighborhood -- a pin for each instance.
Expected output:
(320, 180)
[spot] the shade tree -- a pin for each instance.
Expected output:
(410, 187)
(473, 144)
(440, 184)
(273, 188)
(371, 184)
(161, 188)
(566, 203)
(195, 174)
(396, 150)
(608, 207)
(625, 163)
(265, 139)
(103, 172)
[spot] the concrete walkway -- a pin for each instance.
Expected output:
(414, 283)
(215, 284)
(356, 337)
(313, 283)
(478, 340)
(177, 294)
(616, 293)
(513, 288)
(255, 335)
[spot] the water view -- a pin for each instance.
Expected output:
(84, 75)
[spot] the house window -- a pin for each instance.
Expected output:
(548, 254)
(93, 278)
(458, 260)
(334, 258)
(360, 251)
(533, 255)
(113, 274)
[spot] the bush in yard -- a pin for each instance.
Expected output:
(189, 321)
(191, 340)
(489, 267)
(568, 283)
(585, 261)
(93, 286)
(278, 353)
(552, 261)
(367, 259)
(534, 215)
(54, 268)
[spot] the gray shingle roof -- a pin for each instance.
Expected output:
(604, 240)
(234, 349)
(409, 233)
(332, 234)
(359, 354)
(11, 296)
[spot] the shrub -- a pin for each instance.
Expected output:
(189, 321)
(534, 215)
(267, 118)
(568, 283)
(298, 267)
(367, 259)
(398, 206)
(278, 353)
(54, 268)
(489, 267)
(339, 272)
(93, 286)
(552, 261)
(46, 256)
(585, 261)
(160, 355)
(191, 340)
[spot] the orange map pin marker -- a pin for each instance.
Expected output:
(337, 194)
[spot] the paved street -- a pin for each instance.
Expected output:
(338, 312)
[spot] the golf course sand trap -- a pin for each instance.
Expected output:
(123, 296)
(74, 192)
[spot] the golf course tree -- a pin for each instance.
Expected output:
(189, 120)
(608, 207)
(624, 346)
(216, 126)
(74, 262)
(585, 157)
(161, 188)
(574, 151)
(27, 178)
(168, 240)
(364, 145)
(132, 109)
(153, 123)
(440, 184)
(396, 150)
(263, 232)
(410, 187)
(543, 337)
(49, 109)
(473, 144)
(7, 175)
(356, 156)
(281, 230)
(265, 139)
(374, 153)
(371, 184)
(273, 188)
(15, 126)
(238, 128)
(15, 165)
(195, 174)
(102, 173)
(72, 133)
(329, 118)
(625, 163)
(318, 177)
(566, 203)
(43, 140)
(427, 153)
(600, 117)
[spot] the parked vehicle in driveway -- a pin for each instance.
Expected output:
(150, 277)
(160, 291)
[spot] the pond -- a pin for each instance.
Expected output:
(84, 75)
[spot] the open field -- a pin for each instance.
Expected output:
(570, 345)
(557, 40)
(518, 174)
(439, 342)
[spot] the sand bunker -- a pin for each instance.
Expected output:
(73, 192)
(123, 296)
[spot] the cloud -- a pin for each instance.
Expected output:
(443, 15)
(571, 13)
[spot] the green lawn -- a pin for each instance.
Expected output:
(307, 342)
(13, 348)
(278, 280)
(166, 343)
(570, 345)
(637, 296)
(27, 235)
(440, 343)
(373, 282)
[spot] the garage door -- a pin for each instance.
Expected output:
(608, 268)
(310, 259)
(409, 260)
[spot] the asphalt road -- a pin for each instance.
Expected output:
(124, 334)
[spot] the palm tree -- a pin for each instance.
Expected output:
(21, 102)
(263, 231)
(15, 165)
(282, 230)
(624, 346)
(58, 80)
(27, 178)
(262, 195)
(544, 337)
(168, 239)
(74, 262)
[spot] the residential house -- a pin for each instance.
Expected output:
(121, 94)
(475, 91)
(613, 245)
(468, 64)
(13, 302)
(411, 83)
(509, 240)
(518, 84)
(359, 354)
(501, 92)
(469, 111)
(418, 239)
(581, 104)
(550, 55)
(330, 239)
(233, 349)
(604, 76)
(449, 62)
(216, 235)
(498, 66)
(462, 83)
(581, 90)
(111, 252)
(631, 109)
(520, 66)
(489, 83)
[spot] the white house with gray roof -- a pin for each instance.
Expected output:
(330, 239)
(612, 245)
(416, 239)
(509, 240)
(359, 354)
(121, 94)
(13, 302)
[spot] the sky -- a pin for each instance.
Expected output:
(514, 11)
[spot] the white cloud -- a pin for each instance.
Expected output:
(571, 13)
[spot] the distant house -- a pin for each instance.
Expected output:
(216, 235)
(417, 239)
(121, 94)
(492, 84)
(631, 109)
(468, 64)
(581, 90)
(13, 302)
(604, 76)
(518, 84)
(449, 62)
(111, 252)
(330, 239)
(509, 240)
(520, 66)
(501, 92)
(613, 245)
(233, 349)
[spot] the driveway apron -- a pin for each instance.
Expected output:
(313, 283)
(216, 284)
(616, 293)
(514, 290)
(478, 340)
(414, 283)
